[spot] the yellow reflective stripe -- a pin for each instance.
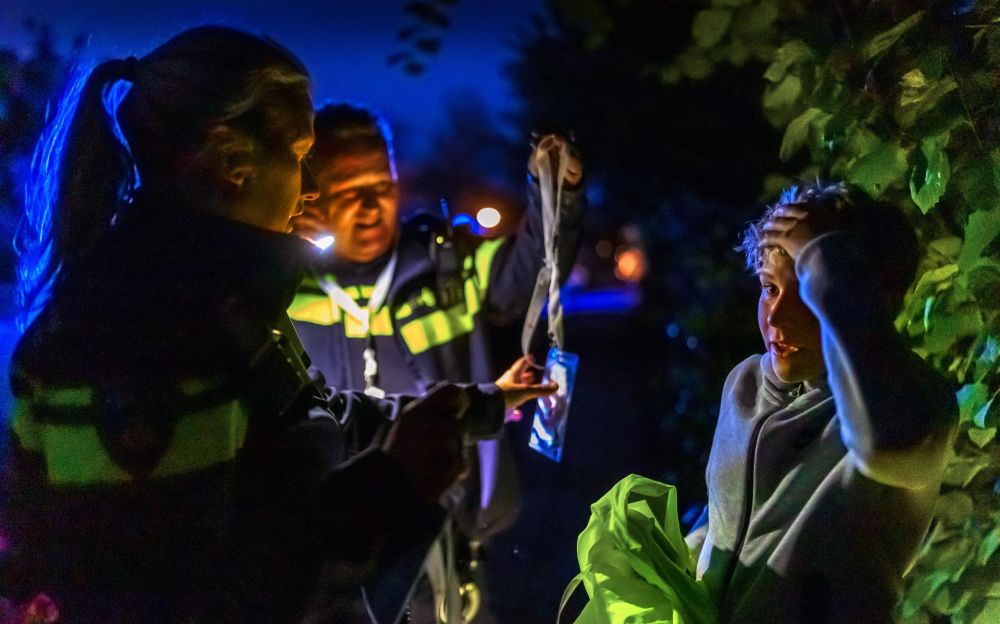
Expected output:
(427, 298)
(205, 439)
(366, 291)
(75, 455)
(69, 397)
(316, 309)
(26, 428)
(404, 311)
(473, 297)
(437, 328)
(382, 323)
(485, 254)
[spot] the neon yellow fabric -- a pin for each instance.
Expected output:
(315, 309)
(634, 562)
(420, 334)
(485, 254)
(437, 328)
(74, 454)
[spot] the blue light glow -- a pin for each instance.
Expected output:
(113, 96)
(34, 237)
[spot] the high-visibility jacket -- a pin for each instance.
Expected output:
(151, 479)
(438, 343)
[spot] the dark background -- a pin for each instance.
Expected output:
(659, 308)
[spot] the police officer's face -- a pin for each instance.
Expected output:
(358, 202)
(273, 186)
(790, 330)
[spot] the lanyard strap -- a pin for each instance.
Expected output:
(547, 282)
(339, 297)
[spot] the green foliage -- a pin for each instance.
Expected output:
(903, 104)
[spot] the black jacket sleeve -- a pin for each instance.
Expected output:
(517, 262)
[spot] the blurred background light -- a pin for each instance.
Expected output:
(488, 217)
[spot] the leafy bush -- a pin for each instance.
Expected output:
(900, 98)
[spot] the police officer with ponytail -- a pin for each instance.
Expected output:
(175, 459)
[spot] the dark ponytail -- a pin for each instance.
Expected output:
(81, 173)
(89, 159)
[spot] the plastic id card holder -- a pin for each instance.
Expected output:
(548, 431)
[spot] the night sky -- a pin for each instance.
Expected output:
(345, 45)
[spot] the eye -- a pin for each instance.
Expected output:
(769, 289)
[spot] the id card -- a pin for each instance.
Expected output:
(548, 431)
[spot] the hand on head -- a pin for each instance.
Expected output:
(791, 226)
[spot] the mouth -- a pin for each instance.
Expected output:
(782, 349)
(370, 225)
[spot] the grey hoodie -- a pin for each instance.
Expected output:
(820, 493)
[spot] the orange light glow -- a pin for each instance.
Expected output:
(631, 264)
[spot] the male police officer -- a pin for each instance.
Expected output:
(395, 309)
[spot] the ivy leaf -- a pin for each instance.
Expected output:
(792, 53)
(971, 398)
(927, 192)
(797, 132)
(983, 226)
(987, 358)
(693, 64)
(990, 613)
(780, 99)
(953, 508)
(946, 247)
(980, 418)
(918, 95)
(879, 169)
(861, 140)
(961, 323)
(989, 545)
(936, 277)
(921, 590)
(883, 41)
(982, 437)
(757, 20)
(993, 591)
(961, 470)
(983, 281)
(710, 26)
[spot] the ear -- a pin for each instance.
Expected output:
(232, 153)
(237, 170)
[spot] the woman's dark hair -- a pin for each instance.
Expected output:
(167, 121)
(345, 128)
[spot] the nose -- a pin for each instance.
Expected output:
(310, 190)
(777, 314)
(370, 200)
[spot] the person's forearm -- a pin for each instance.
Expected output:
(894, 414)
(515, 267)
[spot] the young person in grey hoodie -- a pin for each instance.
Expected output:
(830, 447)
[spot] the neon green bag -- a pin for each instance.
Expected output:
(634, 562)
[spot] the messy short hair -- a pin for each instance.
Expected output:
(348, 128)
(883, 231)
